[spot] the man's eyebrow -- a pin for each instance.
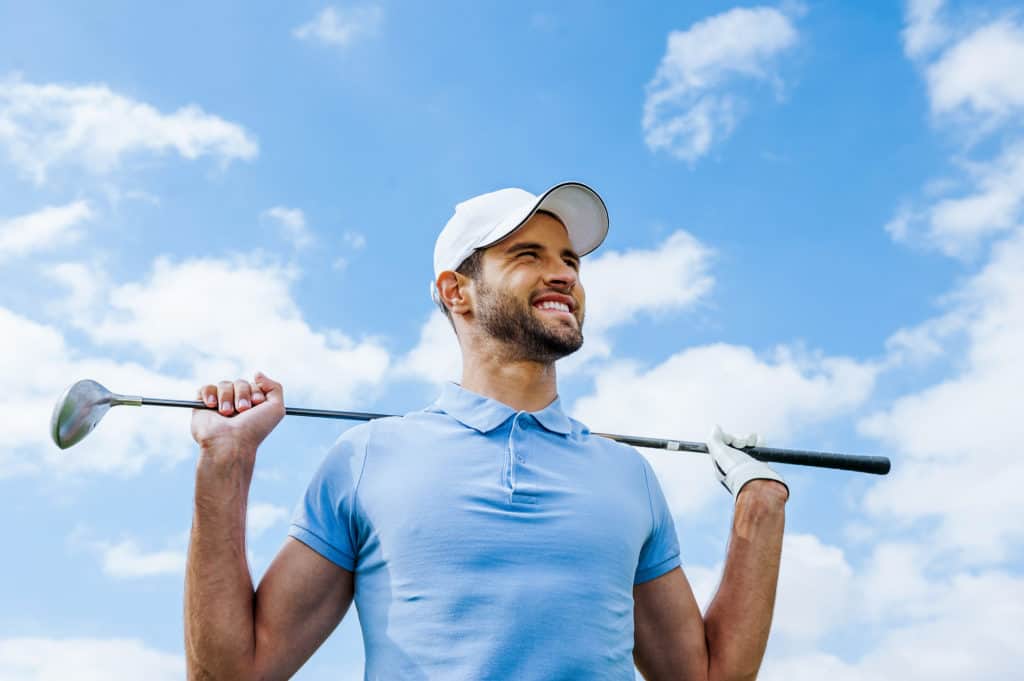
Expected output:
(532, 245)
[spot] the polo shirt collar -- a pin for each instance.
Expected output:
(485, 414)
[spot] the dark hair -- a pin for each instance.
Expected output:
(470, 268)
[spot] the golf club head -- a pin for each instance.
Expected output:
(78, 411)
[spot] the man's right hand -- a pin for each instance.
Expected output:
(240, 414)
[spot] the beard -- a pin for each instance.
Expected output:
(505, 318)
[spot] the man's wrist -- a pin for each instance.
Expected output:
(765, 490)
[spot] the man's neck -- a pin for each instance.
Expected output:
(523, 385)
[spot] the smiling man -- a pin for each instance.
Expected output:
(489, 535)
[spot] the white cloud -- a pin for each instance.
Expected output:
(174, 321)
(127, 560)
(86, 659)
(95, 128)
(355, 240)
(911, 616)
(925, 30)
(49, 228)
(342, 27)
(688, 108)
(956, 436)
(691, 391)
(262, 516)
(436, 357)
(698, 387)
(979, 76)
(974, 90)
(85, 284)
(667, 278)
(894, 581)
(293, 225)
(970, 632)
(121, 444)
(957, 224)
(224, 318)
(971, 68)
(815, 590)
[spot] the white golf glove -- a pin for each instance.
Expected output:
(735, 468)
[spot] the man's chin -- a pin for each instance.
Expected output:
(564, 344)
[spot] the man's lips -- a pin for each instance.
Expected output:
(547, 305)
(556, 298)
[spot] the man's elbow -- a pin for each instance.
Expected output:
(223, 670)
(732, 672)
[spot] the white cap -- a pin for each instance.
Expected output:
(487, 219)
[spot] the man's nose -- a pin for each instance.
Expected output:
(562, 275)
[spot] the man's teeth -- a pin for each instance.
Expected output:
(553, 305)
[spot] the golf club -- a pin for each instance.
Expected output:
(86, 402)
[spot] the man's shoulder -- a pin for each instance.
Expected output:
(385, 428)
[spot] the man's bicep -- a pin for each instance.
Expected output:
(300, 600)
(668, 634)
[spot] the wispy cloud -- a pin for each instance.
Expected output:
(127, 560)
(974, 93)
(925, 30)
(262, 516)
(354, 240)
(340, 27)
(293, 225)
(691, 102)
(94, 128)
(987, 200)
(49, 228)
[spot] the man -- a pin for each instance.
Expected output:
(488, 536)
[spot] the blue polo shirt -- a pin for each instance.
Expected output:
(490, 543)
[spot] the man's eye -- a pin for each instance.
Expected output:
(530, 253)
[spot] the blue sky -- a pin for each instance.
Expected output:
(816, 234)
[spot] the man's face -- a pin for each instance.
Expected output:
(529, 294)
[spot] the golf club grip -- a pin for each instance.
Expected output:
(860, 463)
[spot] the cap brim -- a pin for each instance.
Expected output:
(579, 208)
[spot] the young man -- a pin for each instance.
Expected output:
(488, 536)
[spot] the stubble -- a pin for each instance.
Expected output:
(514, 323)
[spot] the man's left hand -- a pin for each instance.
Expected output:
(735, 468)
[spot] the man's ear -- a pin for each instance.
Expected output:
(454, 289)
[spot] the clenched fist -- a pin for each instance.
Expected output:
(240, 414)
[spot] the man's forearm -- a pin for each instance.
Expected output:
(739, 618)
(219, 632)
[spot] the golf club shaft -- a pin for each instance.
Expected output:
(291, 411)
(860, 463)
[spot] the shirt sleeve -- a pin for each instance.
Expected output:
(660, 552)
(325, 519)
